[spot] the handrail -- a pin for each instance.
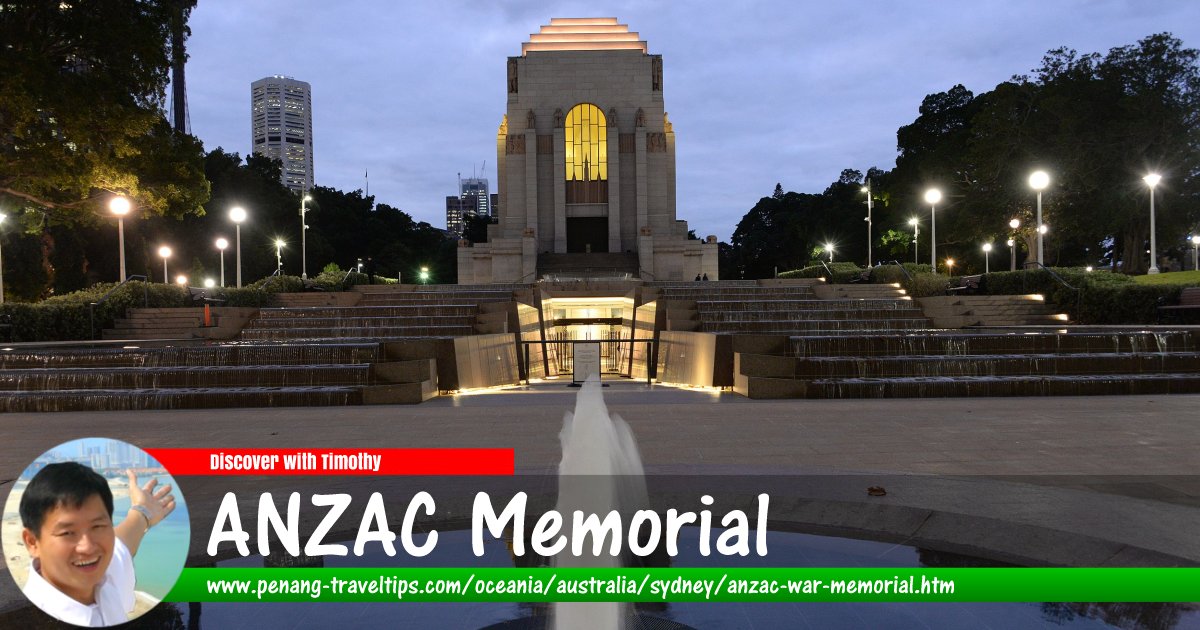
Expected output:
(898, 264)
(827, 270)
(1078, 291)
(104, 298)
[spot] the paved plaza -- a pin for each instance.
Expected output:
(1119, 473)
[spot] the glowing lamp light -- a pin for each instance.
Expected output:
(237, 214)
(209, 283)
(1014, 224)
(119, 206)
(181, 280)
(222, 243)
(1152, 179)
(164, 251)
(1038, 180)
(933, 195)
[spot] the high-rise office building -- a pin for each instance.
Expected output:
(281, 127)
(473, 200)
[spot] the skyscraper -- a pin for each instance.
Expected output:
(473, 200)
(281, 127)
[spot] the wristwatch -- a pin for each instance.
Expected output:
(144, 511)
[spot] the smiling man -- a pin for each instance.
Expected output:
(82, 570)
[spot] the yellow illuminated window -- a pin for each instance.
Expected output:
(586, 136)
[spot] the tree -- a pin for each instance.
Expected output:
(81, 112)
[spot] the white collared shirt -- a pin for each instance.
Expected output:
(114, 596)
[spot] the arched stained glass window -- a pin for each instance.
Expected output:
(586, 135)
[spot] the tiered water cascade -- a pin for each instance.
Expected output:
(248, 375)
(1014, 362)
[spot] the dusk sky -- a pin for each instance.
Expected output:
(758, 92)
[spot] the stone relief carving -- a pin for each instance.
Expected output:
(558, 118)
(656, 142)
(530, 121)
(612, 118)
(515, 145)
(512, 75)
(656, 81)
(528, 232)
(640, 121)
(646, 231)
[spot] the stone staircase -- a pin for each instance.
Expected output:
(582, 266)
(385, 312)
(803, 307)
(179, 323)
(1022, 362)
(215, 376)
(990, 310)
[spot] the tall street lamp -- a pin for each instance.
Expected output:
(221, 245)
(1196, 252)
(829, 248)
(1038, 181)
(1012, 245)
(870, 206)
(279, 257)
(2, 218)
(237, 214)
(303, 236)
(424, 275)
(932, 197)
(165, 252)
(119, 206)
(1152, 180)
(987, 258)
(916, 235)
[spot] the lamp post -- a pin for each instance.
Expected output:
(165, 252)
(916, 236)
(932, 197)
(1152, 180)
(1038, 181)
(119, 206)
(870, 206)
(181, 280)
(1012, 245)
(950, 266)
(829, 248)
(279, 257)
(2, 218)
(1196, 252)
(303, 236)
(424, 275)
(237, 214)
(221, 245)
(987, 258)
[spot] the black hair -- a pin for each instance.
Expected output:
(68, 484)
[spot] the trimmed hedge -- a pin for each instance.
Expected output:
(66, 317)
(842, 272)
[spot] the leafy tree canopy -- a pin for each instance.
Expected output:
(81, 112)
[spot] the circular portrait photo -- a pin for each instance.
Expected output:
(95, 532)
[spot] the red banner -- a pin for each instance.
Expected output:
(336, 461)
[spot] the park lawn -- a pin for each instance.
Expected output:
(1175, 277)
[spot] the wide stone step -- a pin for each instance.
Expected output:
(1026, 385)
(419, 310)
(978, 365)
(813, 325)
(801, 304)
(382, 332)
(208, 355)
(810, 315)
(399, 300)
(363, 322)
(55, 379)
(190, 398)
(958, 344)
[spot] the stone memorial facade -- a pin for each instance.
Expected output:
(586, 161)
